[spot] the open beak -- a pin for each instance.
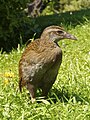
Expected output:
(69, 36)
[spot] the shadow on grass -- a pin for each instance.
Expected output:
(36, 25)
(67, 19)
(64, 96)
(72, 18)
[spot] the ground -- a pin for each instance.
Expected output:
(69, 98)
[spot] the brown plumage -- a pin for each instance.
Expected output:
(39, 64)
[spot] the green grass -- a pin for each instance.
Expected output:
(69, 98)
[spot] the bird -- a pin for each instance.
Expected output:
(41, 60)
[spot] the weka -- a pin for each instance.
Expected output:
(39, 64)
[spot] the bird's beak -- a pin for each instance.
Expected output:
(69, 36)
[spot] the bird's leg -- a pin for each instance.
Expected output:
(46, 89)
(32, 91)
(45, 92)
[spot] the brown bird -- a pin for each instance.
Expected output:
(39, 64)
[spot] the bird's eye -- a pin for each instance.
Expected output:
(59, 32)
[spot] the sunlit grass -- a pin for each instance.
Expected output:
(69, 98)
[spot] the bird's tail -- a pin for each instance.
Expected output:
(20, 84)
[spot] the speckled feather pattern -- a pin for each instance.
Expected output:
(37, 59)
(39, 64)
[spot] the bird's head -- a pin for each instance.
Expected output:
(56, 33)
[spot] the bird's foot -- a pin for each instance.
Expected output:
(33, 100)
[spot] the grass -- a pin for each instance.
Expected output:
(69, 98)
